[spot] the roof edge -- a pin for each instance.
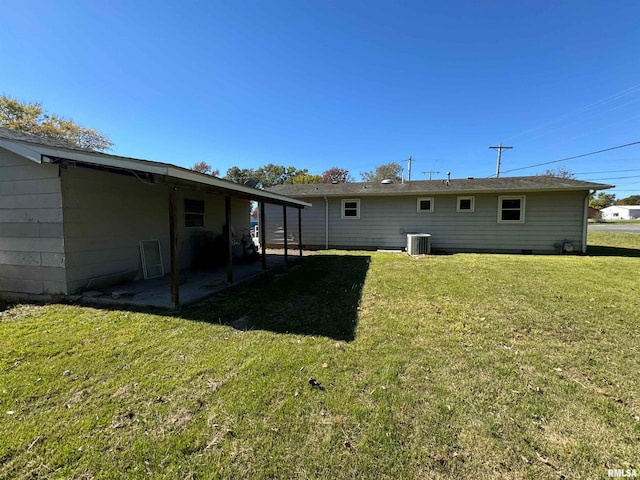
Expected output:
(39, 153)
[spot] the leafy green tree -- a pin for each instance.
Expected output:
(270, 174)
(336, 175)
(30, 117)
(631, 200)
(306, 178)
(391, 171)
(241, 175)
(602, 200)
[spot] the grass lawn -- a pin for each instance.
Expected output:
(453, 366)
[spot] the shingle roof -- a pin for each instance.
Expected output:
(466, 185)
(10, 134)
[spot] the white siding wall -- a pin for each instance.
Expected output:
(31, 241)
(384, 222)
(107, 215)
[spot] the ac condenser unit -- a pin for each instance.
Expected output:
(419, 244)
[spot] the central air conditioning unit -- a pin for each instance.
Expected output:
(419, 244)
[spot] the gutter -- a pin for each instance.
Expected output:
(585, 220)
(326, 223)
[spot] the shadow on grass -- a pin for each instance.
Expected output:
(318, 296)
(605, 251)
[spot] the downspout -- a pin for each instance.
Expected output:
(326, 223)
(585, 220)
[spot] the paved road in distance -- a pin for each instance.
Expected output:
(612, 227)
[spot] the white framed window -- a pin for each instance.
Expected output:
(351, 208)
(511, 209)
(466, 204)
(425, 204)
(193, 213)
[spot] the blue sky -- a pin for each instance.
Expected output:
(354, 84)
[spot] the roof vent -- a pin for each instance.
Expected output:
(386, 181)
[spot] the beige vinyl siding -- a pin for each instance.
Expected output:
(108, 214)
(312, 225)
(385, 221)
(32, 256)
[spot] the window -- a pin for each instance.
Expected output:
(511, 209)
(466, 204)
(351, 208)
(425, 204)
(193, 213)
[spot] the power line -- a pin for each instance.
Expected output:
(628, 91)
(430, 172)
(609, 171)
(619, 178)
(574, 157)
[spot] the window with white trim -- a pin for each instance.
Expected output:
(511, 209)
(425, 204)
(466, 204)
(351, 208)
(193, 213)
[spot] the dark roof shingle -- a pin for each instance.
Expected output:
(466, 185)
(10, 134)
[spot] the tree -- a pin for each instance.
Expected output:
(631, 200)
(603, 200)
(336, 175)
(391, 171)
(306, 179)
(271, 174)
(560, 172)
(33, 119)
(204, 167)
(241, 175)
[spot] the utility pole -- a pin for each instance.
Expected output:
(430, 172)
(499, 148)
(409, 168)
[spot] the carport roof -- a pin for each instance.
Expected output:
(44, 150)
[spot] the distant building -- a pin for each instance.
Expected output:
(621, 212)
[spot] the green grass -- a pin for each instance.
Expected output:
(458, 366)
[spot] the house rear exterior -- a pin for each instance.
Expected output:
(71, 218)
(511, 215)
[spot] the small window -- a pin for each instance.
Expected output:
(351, 208)
(425, 204)
(466, 204)
(511, 209)
(193, 213)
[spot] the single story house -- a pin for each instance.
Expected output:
(72, 218)
(536, 214)
(620, 212)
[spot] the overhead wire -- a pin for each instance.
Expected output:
(572, 158)
(627, 91)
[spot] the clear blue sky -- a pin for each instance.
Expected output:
(354, 84)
